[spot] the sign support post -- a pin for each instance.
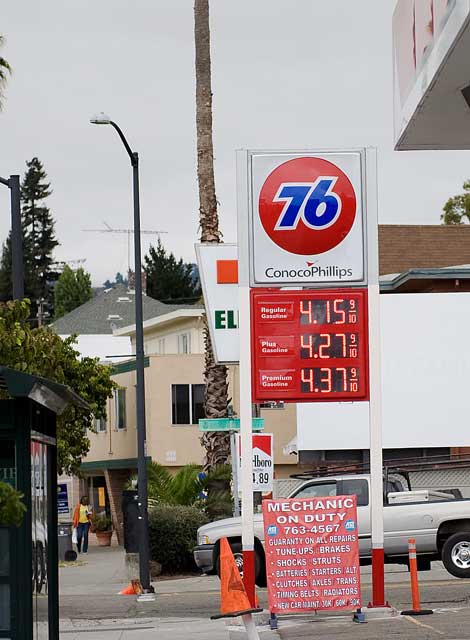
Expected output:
(246, 432)
(375, 401)
(233, 455)
(310, 220)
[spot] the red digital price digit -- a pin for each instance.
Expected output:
(306, 310)
(306, 376)
(306, 342)
(326, 345)
(340, 312)
(326, 379)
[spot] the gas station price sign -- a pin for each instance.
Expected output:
(310, 345)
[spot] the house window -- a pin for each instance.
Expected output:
(100, 425)
(161, 346)
(184, 343)
(120, 408)
(187, 403)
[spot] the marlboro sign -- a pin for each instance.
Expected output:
(263, 464)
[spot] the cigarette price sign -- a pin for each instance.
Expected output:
(312, 554)
(310, 346)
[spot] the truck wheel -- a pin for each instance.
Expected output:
(456, 555)
(238, 556)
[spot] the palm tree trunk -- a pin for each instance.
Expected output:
(217, 445)
(5, 70)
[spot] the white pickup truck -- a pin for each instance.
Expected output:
(439, 523)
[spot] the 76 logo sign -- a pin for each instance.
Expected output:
(314, 203)
(307, 206)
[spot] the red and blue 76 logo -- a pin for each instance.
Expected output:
(307, 206)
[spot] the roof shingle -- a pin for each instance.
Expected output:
(110, 310)
(403, 247)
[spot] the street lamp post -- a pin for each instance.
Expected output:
(17, 273)
(140, 386)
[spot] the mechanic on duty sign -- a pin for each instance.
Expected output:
(306, 218)
(312, 554)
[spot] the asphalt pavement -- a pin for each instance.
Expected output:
(90, 607)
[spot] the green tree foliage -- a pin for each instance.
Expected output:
(118, 279)
(38, 242)
(457, 209)
(11, 506)
(5, 70)
(41, 352)
(169, 279)
(73, 289)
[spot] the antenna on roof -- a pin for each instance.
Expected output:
(109, 229)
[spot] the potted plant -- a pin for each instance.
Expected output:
(102, 527)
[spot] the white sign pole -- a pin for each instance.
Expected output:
(375, 381)
(234, 456)
(246, 433)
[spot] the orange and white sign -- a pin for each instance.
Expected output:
(218, 270)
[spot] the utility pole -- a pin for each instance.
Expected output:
(13, 183)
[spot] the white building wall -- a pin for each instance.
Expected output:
(169, 334)
(103, 346)
(425, 381)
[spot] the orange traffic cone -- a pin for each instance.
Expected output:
(132, 589)
(234, 601)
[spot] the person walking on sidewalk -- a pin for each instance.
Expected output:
(82, 522)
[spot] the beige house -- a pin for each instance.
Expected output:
(174, 391)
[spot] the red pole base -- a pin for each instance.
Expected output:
(249, 575)
(378, 578)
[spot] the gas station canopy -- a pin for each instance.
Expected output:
(431, 41)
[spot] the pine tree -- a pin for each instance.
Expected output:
(73, 289)
(38, 243)
(118, 279)
(168, 279)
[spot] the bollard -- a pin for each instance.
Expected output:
(416, 610)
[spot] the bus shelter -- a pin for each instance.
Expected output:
(29, 572)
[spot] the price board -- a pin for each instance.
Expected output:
(310, 345)
(312, 554)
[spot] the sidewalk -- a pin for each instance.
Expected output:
(145, 629)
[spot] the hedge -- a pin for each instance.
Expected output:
(173, 535)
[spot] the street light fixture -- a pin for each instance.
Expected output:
(144, 571)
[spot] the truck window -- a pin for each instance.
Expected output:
(318, 490)
(356, 487)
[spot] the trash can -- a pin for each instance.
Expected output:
(130, 512)
(65, 539)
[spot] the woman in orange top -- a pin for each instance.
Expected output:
(82, 522)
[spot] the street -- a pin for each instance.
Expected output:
(89, 602)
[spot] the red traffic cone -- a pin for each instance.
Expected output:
(132, 589)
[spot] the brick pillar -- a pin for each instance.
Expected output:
(115, 481)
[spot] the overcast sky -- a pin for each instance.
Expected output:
(287, 74)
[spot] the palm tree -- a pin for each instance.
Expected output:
(217, 445)
(5, 69)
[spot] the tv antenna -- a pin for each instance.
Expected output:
(129, 232)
